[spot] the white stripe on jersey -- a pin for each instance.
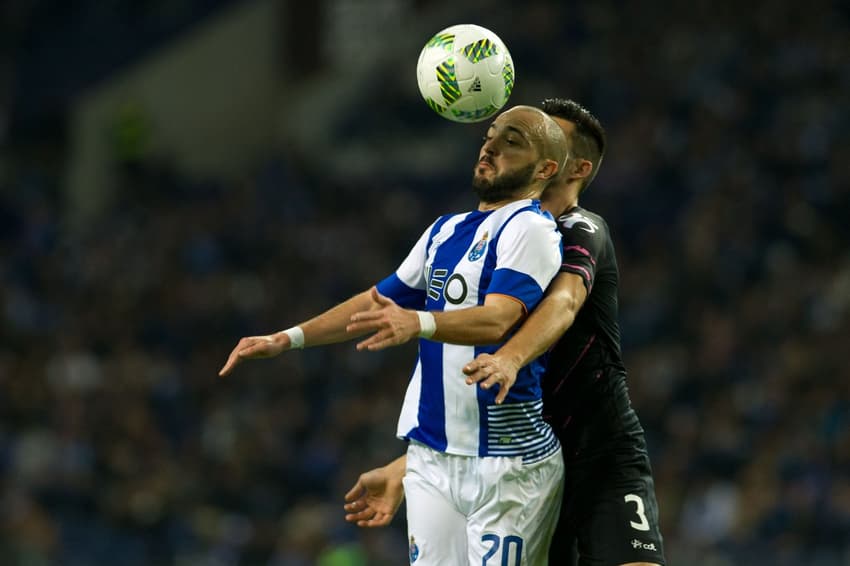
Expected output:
(409, 417)
(461, 401)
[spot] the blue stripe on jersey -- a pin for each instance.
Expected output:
(397, 290)
(431, 430)
(518, 285)
(436, 229)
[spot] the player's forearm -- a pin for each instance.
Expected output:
(329, 327)
(547, 323)
(474, 326)
(397, 468)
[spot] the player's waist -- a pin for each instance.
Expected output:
(509, 429)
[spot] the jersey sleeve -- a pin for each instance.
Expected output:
(407, 285)
(528, 255)
(583, 239)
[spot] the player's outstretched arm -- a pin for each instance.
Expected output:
(393, 325)
(326, 328)
(552, 317)
(377, 495)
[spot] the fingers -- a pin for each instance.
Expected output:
(378, 341)
(471, 367)
(476, 365)
(477, 375)
(369, 517)
(379, 520)
(360, 516)
(365, 325)
(364, 316)
(258, 349)
(380, 299)
(486, 371)
(354, 493)
(503, 392)
(233, 359)
(478, 369)
(251, 347)
(228, 366)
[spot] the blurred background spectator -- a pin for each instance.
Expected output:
(174, 175)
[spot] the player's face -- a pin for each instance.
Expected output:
(508, 159)
(568, 128)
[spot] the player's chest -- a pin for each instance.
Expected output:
(458, 266)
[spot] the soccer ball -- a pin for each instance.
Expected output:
(465, 73)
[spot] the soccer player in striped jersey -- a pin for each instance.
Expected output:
(483, 479)
(609, 514)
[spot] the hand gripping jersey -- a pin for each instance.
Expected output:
(459, 260)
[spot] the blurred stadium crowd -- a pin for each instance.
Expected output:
(727, 187)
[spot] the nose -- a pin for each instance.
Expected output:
(489, 147)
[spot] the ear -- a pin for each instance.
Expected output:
(548, 169)
(579, 169)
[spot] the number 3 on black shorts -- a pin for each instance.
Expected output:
(642, 524)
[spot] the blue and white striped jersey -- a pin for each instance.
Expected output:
(461, 258)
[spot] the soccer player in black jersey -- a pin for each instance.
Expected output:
(609, 514)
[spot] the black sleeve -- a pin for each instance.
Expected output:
(583, 238)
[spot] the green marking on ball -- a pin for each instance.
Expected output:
(474, 115)
(444, 40)
(434, 106)
(508, 75)
(448, 81)
(478, 50)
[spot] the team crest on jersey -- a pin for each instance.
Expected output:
(478, 250)
(413, 550)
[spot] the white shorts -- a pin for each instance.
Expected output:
(480, 511)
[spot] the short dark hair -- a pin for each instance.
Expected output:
(588, 138)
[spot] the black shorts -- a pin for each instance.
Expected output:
(609, 514)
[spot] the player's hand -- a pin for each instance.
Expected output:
(375, 498)
(490, 370)
(391, 324)
(253, 347)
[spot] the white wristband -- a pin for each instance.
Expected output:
(296, 337)
(427, 324)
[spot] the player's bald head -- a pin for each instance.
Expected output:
(544, 133)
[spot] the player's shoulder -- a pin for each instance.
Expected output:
(448, 221)
(521, 215)
(530, 211)
(587, 221)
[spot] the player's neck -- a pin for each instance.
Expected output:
(530, 194)
(560, 201)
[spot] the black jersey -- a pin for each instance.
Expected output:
(585, 396)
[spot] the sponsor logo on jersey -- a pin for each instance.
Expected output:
(478, 249)
(413, 550)
(576, 218)
(644, 545)
(455, 289)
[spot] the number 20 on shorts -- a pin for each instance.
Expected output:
(511, 545)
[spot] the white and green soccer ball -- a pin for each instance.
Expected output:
(465, 73)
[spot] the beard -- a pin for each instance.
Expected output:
(504, 186)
